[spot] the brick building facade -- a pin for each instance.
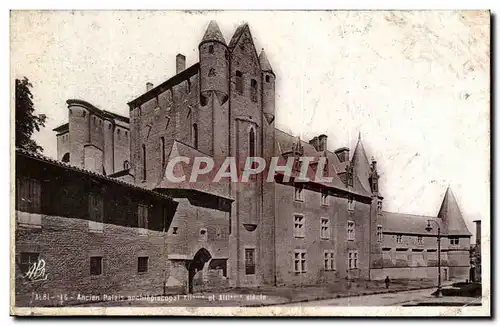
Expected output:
(249, 234)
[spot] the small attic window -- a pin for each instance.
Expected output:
(267, 78)
(211, 49)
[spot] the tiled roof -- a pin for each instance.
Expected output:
(203, 183)
(361, 169)
(407, 223)
(236, 36)
(285, 143)
(213, 33)
(451, 215)
(70, 167)
(264, 62)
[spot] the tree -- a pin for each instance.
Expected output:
(26, 119)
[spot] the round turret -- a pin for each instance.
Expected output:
(214, 65)
(268, 90)
(78, 131)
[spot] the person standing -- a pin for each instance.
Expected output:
(387, 282)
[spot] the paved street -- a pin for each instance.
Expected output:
(388, 299)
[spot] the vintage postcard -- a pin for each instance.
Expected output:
(222, 163)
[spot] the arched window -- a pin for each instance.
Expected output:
(210, 49)
(65, 158)
(143, 162)
(162, 151)
(126, 165)
(195, 135)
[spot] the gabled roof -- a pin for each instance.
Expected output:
(451, 216)
(361, 168)
(203, 183)
(264, 62)
(236, 36)
(213, 33)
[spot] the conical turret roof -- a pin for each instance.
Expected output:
(361, 167)
(264, 62)
(451, 216)
(213, 33)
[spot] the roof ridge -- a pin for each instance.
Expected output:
(43, 158)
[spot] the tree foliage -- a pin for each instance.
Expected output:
(27, 122)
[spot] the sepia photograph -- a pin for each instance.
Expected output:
(250, 163)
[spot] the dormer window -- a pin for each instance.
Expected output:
(299, 192)
(268, 78)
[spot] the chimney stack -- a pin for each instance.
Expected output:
(180, 63)
(149, 86)
(314, 142)
(343, 154)
(322, 142)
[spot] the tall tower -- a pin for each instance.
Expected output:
(268, 90)
(214, 65)
(268, 228)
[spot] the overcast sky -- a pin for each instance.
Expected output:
(414, 84)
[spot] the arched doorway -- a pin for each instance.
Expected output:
(200, 258)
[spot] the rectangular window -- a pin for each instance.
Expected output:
(299, 192)
(299, 227)
(352, 257)
(239, 82)
(142, 264)
(28, 202)
(142, 218)
(26, 260)
(454, 241)
(162, 152)
(300, 261)
(350, 231)
(249, 261)
(325, 200)
(399, 238)
(420, 240)
(253, 90)
(95, 212)
(328, 260)
(350, 204)
(379, 233)
(95, 265)
(325, 228)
